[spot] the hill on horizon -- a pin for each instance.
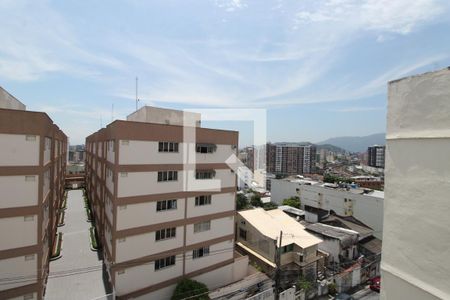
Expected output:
(356, 143)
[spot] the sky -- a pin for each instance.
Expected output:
(319, 68)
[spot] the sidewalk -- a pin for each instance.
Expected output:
(78, 273)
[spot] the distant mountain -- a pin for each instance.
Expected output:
(356, 143)
(330, 147)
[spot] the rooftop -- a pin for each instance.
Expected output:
(271, 222)
(346, 236)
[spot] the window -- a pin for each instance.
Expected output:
(167, 176)
(205, 174)
(197, 253)
(203, 200)
(166, 205)
(166, 233)
(164, 262)
(167, 147)
(205, 148)
(288, 248)
(243, 234)
(202, 226)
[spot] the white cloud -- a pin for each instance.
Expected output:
(357, 109)
(230, 5)
(399, 16)
(37, 41)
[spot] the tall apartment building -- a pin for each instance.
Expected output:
(416, 239)
(32, 166)
(290, 158)
(157, 213)
(375, 156)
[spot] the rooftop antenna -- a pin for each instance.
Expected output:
(137, 99)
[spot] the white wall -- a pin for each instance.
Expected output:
(218, 252)
(161, 294)
(366, 208)
(143, 214)
(416, 241)
(141, 245)
(144, 275)
(219, 203)
(19, 150)
(145, 183)
(110, 152)
(219, 227)
(17, 191)
(47, 150)
(17, 267)
(146, 152)
(221, 155)
(217, 278)
(15, 232)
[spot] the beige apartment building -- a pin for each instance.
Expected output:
(416, 239)
(32, 168)
(164, 202)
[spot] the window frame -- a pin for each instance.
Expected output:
(203, 200)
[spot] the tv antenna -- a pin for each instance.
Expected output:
(137, 99)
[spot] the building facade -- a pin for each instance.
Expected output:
(32, 171)
(290, 158)
(416, 239)
(258, 235)
(365, 205)
(375, 156)
(164, 204)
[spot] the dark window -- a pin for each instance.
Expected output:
(164, 262)
(166, 233)
(168, 147)
(205, 148)
(166, 205)
(202, 200)
(205, 174)
(204, 251)
(243, 234)
(167, 176)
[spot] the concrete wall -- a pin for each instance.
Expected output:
(142, 276)
(8, 101)
(143, 214)
(19, 150)
(24, 232)
(218, 252)
(417, 184)
(17, 267)
(219, 203)
(19, 191)
(149, 114)
(219, 228)
(141, 245)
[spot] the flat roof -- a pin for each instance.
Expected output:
(271, 222)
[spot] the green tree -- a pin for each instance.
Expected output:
(256, 201)
(292, 201)
(241, 202)
(188, 288)
(269, 206)
(304, 284)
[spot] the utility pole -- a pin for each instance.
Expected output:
(278, 269)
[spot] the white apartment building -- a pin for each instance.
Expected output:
(162, 215)
(416, 239)
(365, 205)
(32, 168)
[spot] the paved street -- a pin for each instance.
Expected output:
(366, 294)
(78, 273)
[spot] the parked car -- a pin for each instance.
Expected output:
(375, 284)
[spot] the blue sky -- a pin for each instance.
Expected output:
(319, 67)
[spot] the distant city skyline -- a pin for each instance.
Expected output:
(320, 68)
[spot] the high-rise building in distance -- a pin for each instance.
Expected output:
(375, 156)
(290, 158)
